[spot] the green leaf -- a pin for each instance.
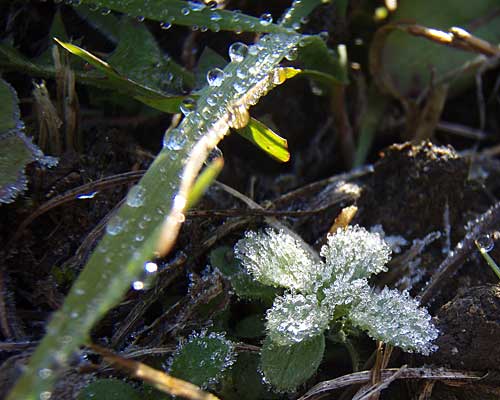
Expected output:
(139, 58)
(202, 359)
(16, 150)
(286, 367)
(245, 381)
(413, 62)
(168, 104)
(243, 284)
(148, 222)
(300, 9)
(316, 56)
(108, 389)
(187, 13)
(204, 180)
(251, 327)
(264, 138)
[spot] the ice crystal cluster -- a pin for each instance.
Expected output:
(336, 287)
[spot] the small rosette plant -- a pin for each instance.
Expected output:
(320, 292)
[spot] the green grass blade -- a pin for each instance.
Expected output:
(168, 104)
(187, 13)
(147, 224)
(299, 10)
(206, 178)
(264, 138)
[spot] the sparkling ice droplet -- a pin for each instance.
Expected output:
(215, 77)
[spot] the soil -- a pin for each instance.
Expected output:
(412, 190)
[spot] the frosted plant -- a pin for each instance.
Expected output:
(337, 287)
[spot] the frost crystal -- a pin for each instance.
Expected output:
(277, 259)
(396, 318)
(337, 288)
(355, 253)
(295, 317)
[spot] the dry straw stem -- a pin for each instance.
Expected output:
(160, 380)
(322, 389)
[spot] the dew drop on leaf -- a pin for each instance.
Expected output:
(188, 105)
(115, 226)
(136, 195)
(165, 25)
(238, 51)
(485, 242)
(215, 77)
(266, 19)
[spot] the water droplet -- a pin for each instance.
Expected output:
(266, 19)
(215, 77)
(238, 51)
(292, 54)
(138, 285)
(74, 315)
(486, 242)
(212, 4)
(185, 11)
(239, 87)
(139, 237)
(150, 267)
(179, 202)
(215, 17)
(140, 18)
(115, 226)
(188, 105)
(174, 140)
(45, 373)
(165, 25)
(136, 196)
(324, 35)
(45, 395)
(105, 11)
(86, 196)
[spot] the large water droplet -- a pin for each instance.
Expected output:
(486, 242)
(138, 285)
(238, 51)
(136, 196)
(174, 140)
(188, 105)
(115, 226)
(45, 395)
(215, 77)
(45, 373)
(215, 17)
(165, 25)
(266, 19)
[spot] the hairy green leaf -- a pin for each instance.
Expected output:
(202, 359)
(245, 381)
(286, 367)
(187, 13)
(243, 284)
(108, 389)
(16, 150)
(148, 223)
